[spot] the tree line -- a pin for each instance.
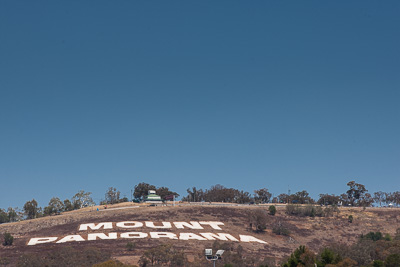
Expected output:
(32, 210)
(357, 195)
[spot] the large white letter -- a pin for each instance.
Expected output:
(70, 238)
(219, 236)
(102, 236)
(134, 235)
(187, 236)
(124, 224)
(106, 225)
(163, 234)
(40, 240)
(214, 225)
(191, 225)
(249, 238)
(166, 225)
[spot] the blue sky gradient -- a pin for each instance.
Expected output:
(247, 94)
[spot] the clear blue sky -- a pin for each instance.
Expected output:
(247, 94)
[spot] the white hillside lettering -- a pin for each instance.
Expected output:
(190, 236)
(165, 225)
(219, 236)
(124, 225)
(41, 240)
(101, 236)
(214, 225)
(163, 235)
(71, 238)
(249, 238)
(191, 225)
(105, 225)
(134, 235)
(129, 224)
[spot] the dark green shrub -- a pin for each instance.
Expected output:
(328, 256)
(272, 210)
(304, 211)
(293, 209)
(350, 219)
(378, 263)
(130, 246)
(373, 236)
(302, 256)
(8, 239)
(280, 229)
(393, 260)
(387, 237)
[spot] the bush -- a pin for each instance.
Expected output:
(292, 209)
(328, 256)
(378, 263)
(302, 256)
(306, 211)
(387, 237)
(392, 260)
(350, 219)
(280, 229)
(258, 219)
(329, 211)
(373, 236)
(8, 239)
(130, 246)
(272, 210)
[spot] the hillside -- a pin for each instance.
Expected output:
(312, 232)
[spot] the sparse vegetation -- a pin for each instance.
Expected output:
(272, 210)
(371, 249)
(280, 229)
(350, 219)
(8, 239)
(302, 256)
(66, 256)
(112, 263)
(164, 254)
(130, 246)
(258, 220)
(4, 261)
(304, 211)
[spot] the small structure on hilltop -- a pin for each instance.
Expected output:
(152, 197)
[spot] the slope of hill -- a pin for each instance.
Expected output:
(190, 228)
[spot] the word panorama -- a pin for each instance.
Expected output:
(90, 235)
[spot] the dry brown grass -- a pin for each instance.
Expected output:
(312, 232)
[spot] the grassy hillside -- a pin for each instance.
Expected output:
(315, 232)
